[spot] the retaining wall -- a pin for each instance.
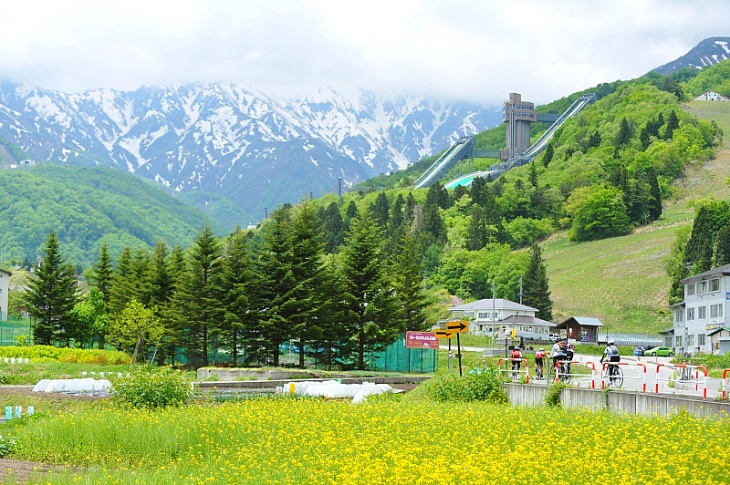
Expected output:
(618, 401)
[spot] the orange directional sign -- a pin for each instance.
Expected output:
(443, 334)
(461, 326)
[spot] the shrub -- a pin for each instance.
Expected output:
(477, 385)
(552, 396)
(7, 446)
(148, 387)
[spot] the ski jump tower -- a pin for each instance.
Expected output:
(518, 115)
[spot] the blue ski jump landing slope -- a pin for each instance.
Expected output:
(465, 146)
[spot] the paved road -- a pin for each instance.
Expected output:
(652, 374)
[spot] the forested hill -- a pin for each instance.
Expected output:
(607, 172)
(85, 206)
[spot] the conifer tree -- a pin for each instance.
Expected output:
(409, 284)
(51, 295)
(336, 330)
(103, 272)
(536, 290)
(655, 195)
(722, 248)
(123, 286)
(548, 156)
(381, 211)
(202, 296)
(370, 303)
(332, 228)
(305, 306)
(672, 124)
(276, 282)
(236, 285)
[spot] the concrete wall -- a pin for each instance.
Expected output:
(618, 401)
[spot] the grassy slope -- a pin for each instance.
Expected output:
(622, 281)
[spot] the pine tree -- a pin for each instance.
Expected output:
(370, 304)
(51, 295)
(102, 278)
(380, 210)
(236, 285)
(202, 296)
(305, 306)
(721, 255)
(103, 272)
(672, 124)
(477, 234)
(624, 134)
(409, 284)
(332, 228)
(276, 282)
(536, 291)
(548, 156)
(336, 331)
(533, 174)
(123, 286)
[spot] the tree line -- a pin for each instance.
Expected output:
(245, 295)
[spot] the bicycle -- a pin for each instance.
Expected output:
(562, 370)
(538, 372)
(615, 375)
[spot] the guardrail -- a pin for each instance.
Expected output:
(642, 365)
(511, 370)
(724, 383)
(685, 376)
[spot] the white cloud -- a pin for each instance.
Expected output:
(465, 48)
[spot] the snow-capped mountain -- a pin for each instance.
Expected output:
(226, 140)
(708, 52)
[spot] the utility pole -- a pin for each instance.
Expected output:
(494, 310)
(520, 289)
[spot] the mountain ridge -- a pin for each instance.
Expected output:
(221, 138)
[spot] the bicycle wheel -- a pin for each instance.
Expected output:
(618, 376)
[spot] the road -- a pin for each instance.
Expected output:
(649, 374)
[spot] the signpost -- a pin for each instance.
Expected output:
(450, 328)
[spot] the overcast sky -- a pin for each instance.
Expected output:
(479, 50)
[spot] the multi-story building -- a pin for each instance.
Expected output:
(705, 308)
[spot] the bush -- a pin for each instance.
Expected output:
(477, 385)
(152, 388)
(68, 355)
(552, 397)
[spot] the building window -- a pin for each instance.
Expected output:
(690, 314)
(691, 289)
(701, 339)
(678, 339)
(716, 310)
(690, 341)
(679, 315)
(701, 287)
(701, 313)
(483, 315)
(715, 285)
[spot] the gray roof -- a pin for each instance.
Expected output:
(528, 319)
(584, 321)
(719, 271)
(669, 330)
(718, 329)
(488, 304)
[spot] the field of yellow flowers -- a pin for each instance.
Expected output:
(288, 440)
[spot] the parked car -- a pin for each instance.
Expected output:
(660, 351)
(638, 350)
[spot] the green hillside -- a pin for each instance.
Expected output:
(605, 204)
(86, 206)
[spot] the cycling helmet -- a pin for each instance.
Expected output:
(541, 350)
(611, 342)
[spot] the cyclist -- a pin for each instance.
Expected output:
(558, 352)
(611, 355)
(539, 362)
(516, 361)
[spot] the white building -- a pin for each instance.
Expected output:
(711, 96)
(705, 308)
(492, 315)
